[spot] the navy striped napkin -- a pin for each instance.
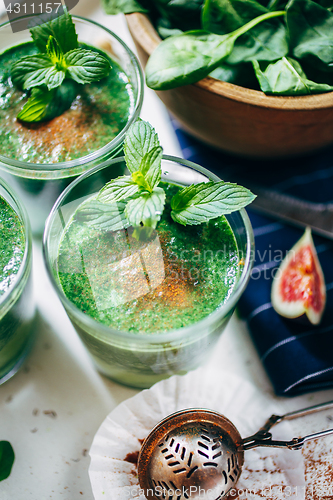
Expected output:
(298, 358)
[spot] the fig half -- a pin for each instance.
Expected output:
(298, 286)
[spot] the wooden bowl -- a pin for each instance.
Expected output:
(238, 120)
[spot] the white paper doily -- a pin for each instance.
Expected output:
(267, 472)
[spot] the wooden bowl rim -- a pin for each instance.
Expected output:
(146, 35)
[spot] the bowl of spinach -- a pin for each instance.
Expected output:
(250, 77)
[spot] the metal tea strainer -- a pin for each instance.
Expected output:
(198, 453)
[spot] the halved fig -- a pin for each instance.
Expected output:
(298, 286)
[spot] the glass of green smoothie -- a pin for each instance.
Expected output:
(149, 305)
(40, 159)
(17, 308)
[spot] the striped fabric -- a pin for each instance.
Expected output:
(298, 357)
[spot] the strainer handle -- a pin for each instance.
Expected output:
(265, 439)
(276, 419)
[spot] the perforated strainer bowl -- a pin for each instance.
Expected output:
(197, 453)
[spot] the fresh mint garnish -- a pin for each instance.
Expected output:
(35, 108)
(7, 458)
(138, 142)
(102, 216)
(46, 104)
(137, 200)
(60, 61)
(150, 169)
(201, 202)
(31, 71)
(61, 28)
(118, 189)
(146, 208)
(86, 66)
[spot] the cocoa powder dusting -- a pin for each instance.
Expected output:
(318, 471)
(132, 458)
(69, 131)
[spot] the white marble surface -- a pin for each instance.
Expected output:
(51, 410)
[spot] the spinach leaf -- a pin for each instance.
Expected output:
(286, 77)
(238, 74)
(266, 42)
(276, 4)
(310, 29)
(165, 29)
(124, 6)
(186, 58)
(191, 56)
(182, 14)
(328, 4)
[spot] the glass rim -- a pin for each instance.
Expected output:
(157, 337)
(110, 146)
(19, 209)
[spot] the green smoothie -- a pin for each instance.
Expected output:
(16, 302)
(12, 244)
(176, 278)
(97, 115)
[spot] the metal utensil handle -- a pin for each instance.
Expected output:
(275, 419)
(265, 439)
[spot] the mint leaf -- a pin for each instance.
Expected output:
(7, 458)
(141, 181)
(146, 208)
(149, 174)
(151, 166)
(201, 202)
(61, 28)
(86, 66)
(30, 71)
(140, 139)
(102, 216)
(35, 108)
(54, 78)
(54, 51)
(117, 190)
(46, 104)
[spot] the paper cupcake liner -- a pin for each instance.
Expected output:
(267, 472)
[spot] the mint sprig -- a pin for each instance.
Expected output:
(142, 199)
(146, 208)
(118, 189)
(60, 60)
(102, 216)
(61, 28)
(201, 202)
(46, 104)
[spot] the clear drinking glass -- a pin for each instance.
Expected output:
(17, 307)
(38, 185)
(140, 360)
